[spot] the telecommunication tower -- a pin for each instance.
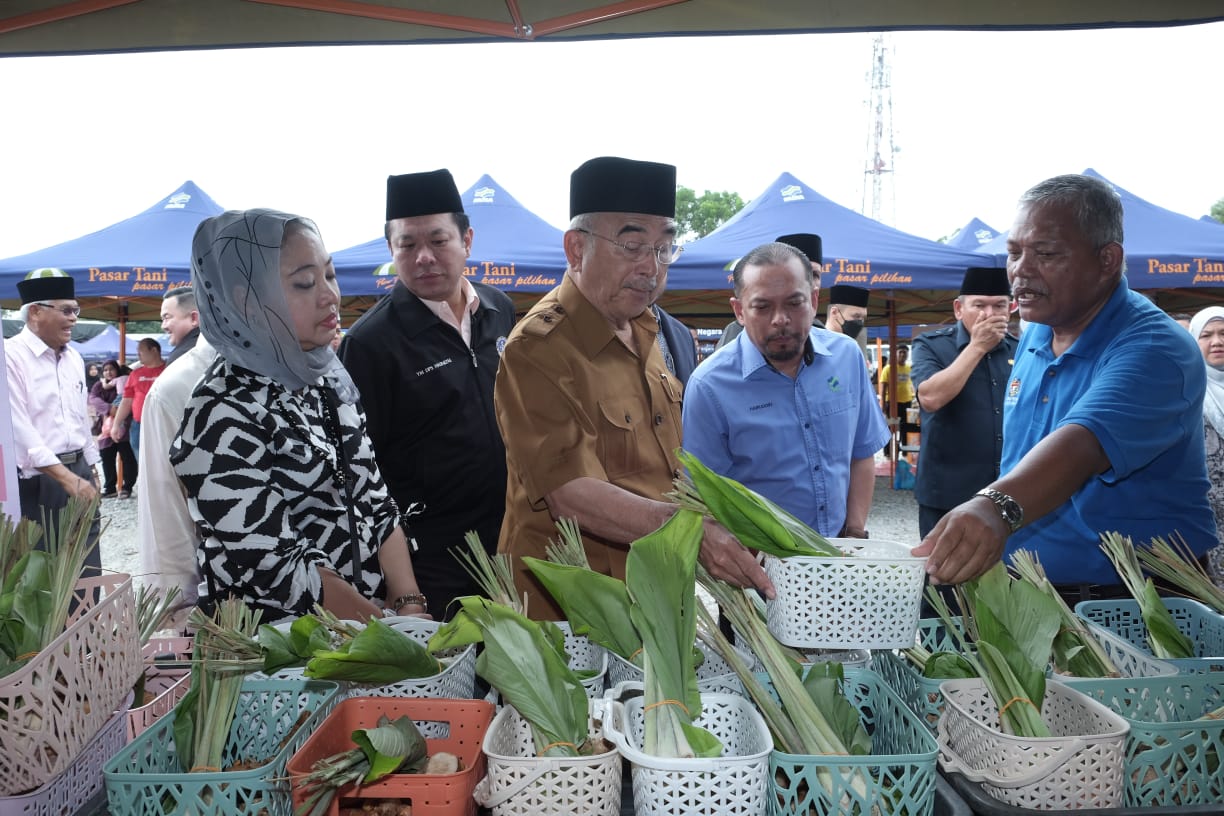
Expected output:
(879, 195)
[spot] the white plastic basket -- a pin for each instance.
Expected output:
(519, 783)
(734, 784)
(713, 674)
(869, 600)
(73, 789)
(1080, 766)
(52, 706)
(584, 655)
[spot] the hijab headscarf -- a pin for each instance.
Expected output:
(235, 271)
(1213, 400)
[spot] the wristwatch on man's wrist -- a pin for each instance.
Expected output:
(1009, 508)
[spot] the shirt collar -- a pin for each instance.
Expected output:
(590, 327)
(752, 360)
(1095, 336)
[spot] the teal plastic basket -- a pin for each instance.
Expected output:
(1172, 757)
(273, 720)
(900, 770)
(1200, 623)
(920, 694)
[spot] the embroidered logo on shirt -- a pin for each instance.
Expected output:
(834, 383)
(1013, 389)
(501, 345)
(433, 366)
(760, 405)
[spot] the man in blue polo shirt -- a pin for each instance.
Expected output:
(785, 408)
(1102, 413)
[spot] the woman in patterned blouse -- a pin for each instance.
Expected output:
(279, 472)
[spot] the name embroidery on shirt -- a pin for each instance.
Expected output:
(760, 405)
(433, 366)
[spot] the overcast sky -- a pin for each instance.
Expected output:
(977, 117)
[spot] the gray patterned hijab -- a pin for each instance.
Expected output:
(235, 271)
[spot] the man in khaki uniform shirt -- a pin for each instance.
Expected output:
(589, 411)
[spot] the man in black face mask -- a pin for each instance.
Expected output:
(847, 310)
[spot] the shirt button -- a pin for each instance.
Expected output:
(996, 410)
(807, 424)
(1045, 399)
(658, 419)
(1050, 373)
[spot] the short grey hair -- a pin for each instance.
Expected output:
(775, 253)
(1096, 205)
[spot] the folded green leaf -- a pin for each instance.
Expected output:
(660, 574)
(824, 685)
(377, 655)
(392, 745)
(526, 667)
(755, 520)
(596, 605)
(948, 666)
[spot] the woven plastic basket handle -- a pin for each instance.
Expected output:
(486, 798)
(949, 760)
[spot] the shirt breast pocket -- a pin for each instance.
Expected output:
(618, 443)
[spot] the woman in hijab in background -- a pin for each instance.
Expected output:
(273, 452)
(1207, 327)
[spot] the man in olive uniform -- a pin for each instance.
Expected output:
(960, 375)
(586, 404)
(424, 358)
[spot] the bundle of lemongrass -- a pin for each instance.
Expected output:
(1164, 637)
(1076, 651)
(39, 584)
(220, 658)
(1007, 637)
(1175, 564)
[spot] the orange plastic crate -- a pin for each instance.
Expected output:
(463, 723)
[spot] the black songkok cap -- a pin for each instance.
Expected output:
(613, 184)
(805, 242)
(843, 295)
(415, 194)
(981, 280)
(46, 286)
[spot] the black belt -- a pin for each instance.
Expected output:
(1092, 592)
(70, 457)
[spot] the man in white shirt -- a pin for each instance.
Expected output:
(56, 451)
(166, 536)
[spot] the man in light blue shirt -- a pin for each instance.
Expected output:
(785, 408)
(1102, 427)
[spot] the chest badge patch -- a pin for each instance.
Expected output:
(1013, 388)
(501, 345)
(834, 383)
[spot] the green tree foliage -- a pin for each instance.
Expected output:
(1217, 210)
(699, 215)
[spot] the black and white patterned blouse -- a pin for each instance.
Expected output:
(261, 480)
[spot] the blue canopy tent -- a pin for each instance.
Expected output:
(512, 248)
(915, 278)
(1164, 249)
(105, 345)
(122, 271)
(973, 235)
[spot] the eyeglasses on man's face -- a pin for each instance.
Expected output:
(66, 311)
(638, 250)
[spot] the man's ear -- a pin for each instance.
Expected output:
(738, 309)
(1111, 256)
(575, 245)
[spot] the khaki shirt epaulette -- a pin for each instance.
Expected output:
(542, 322)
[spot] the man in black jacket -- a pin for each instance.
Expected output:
(425, 358)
